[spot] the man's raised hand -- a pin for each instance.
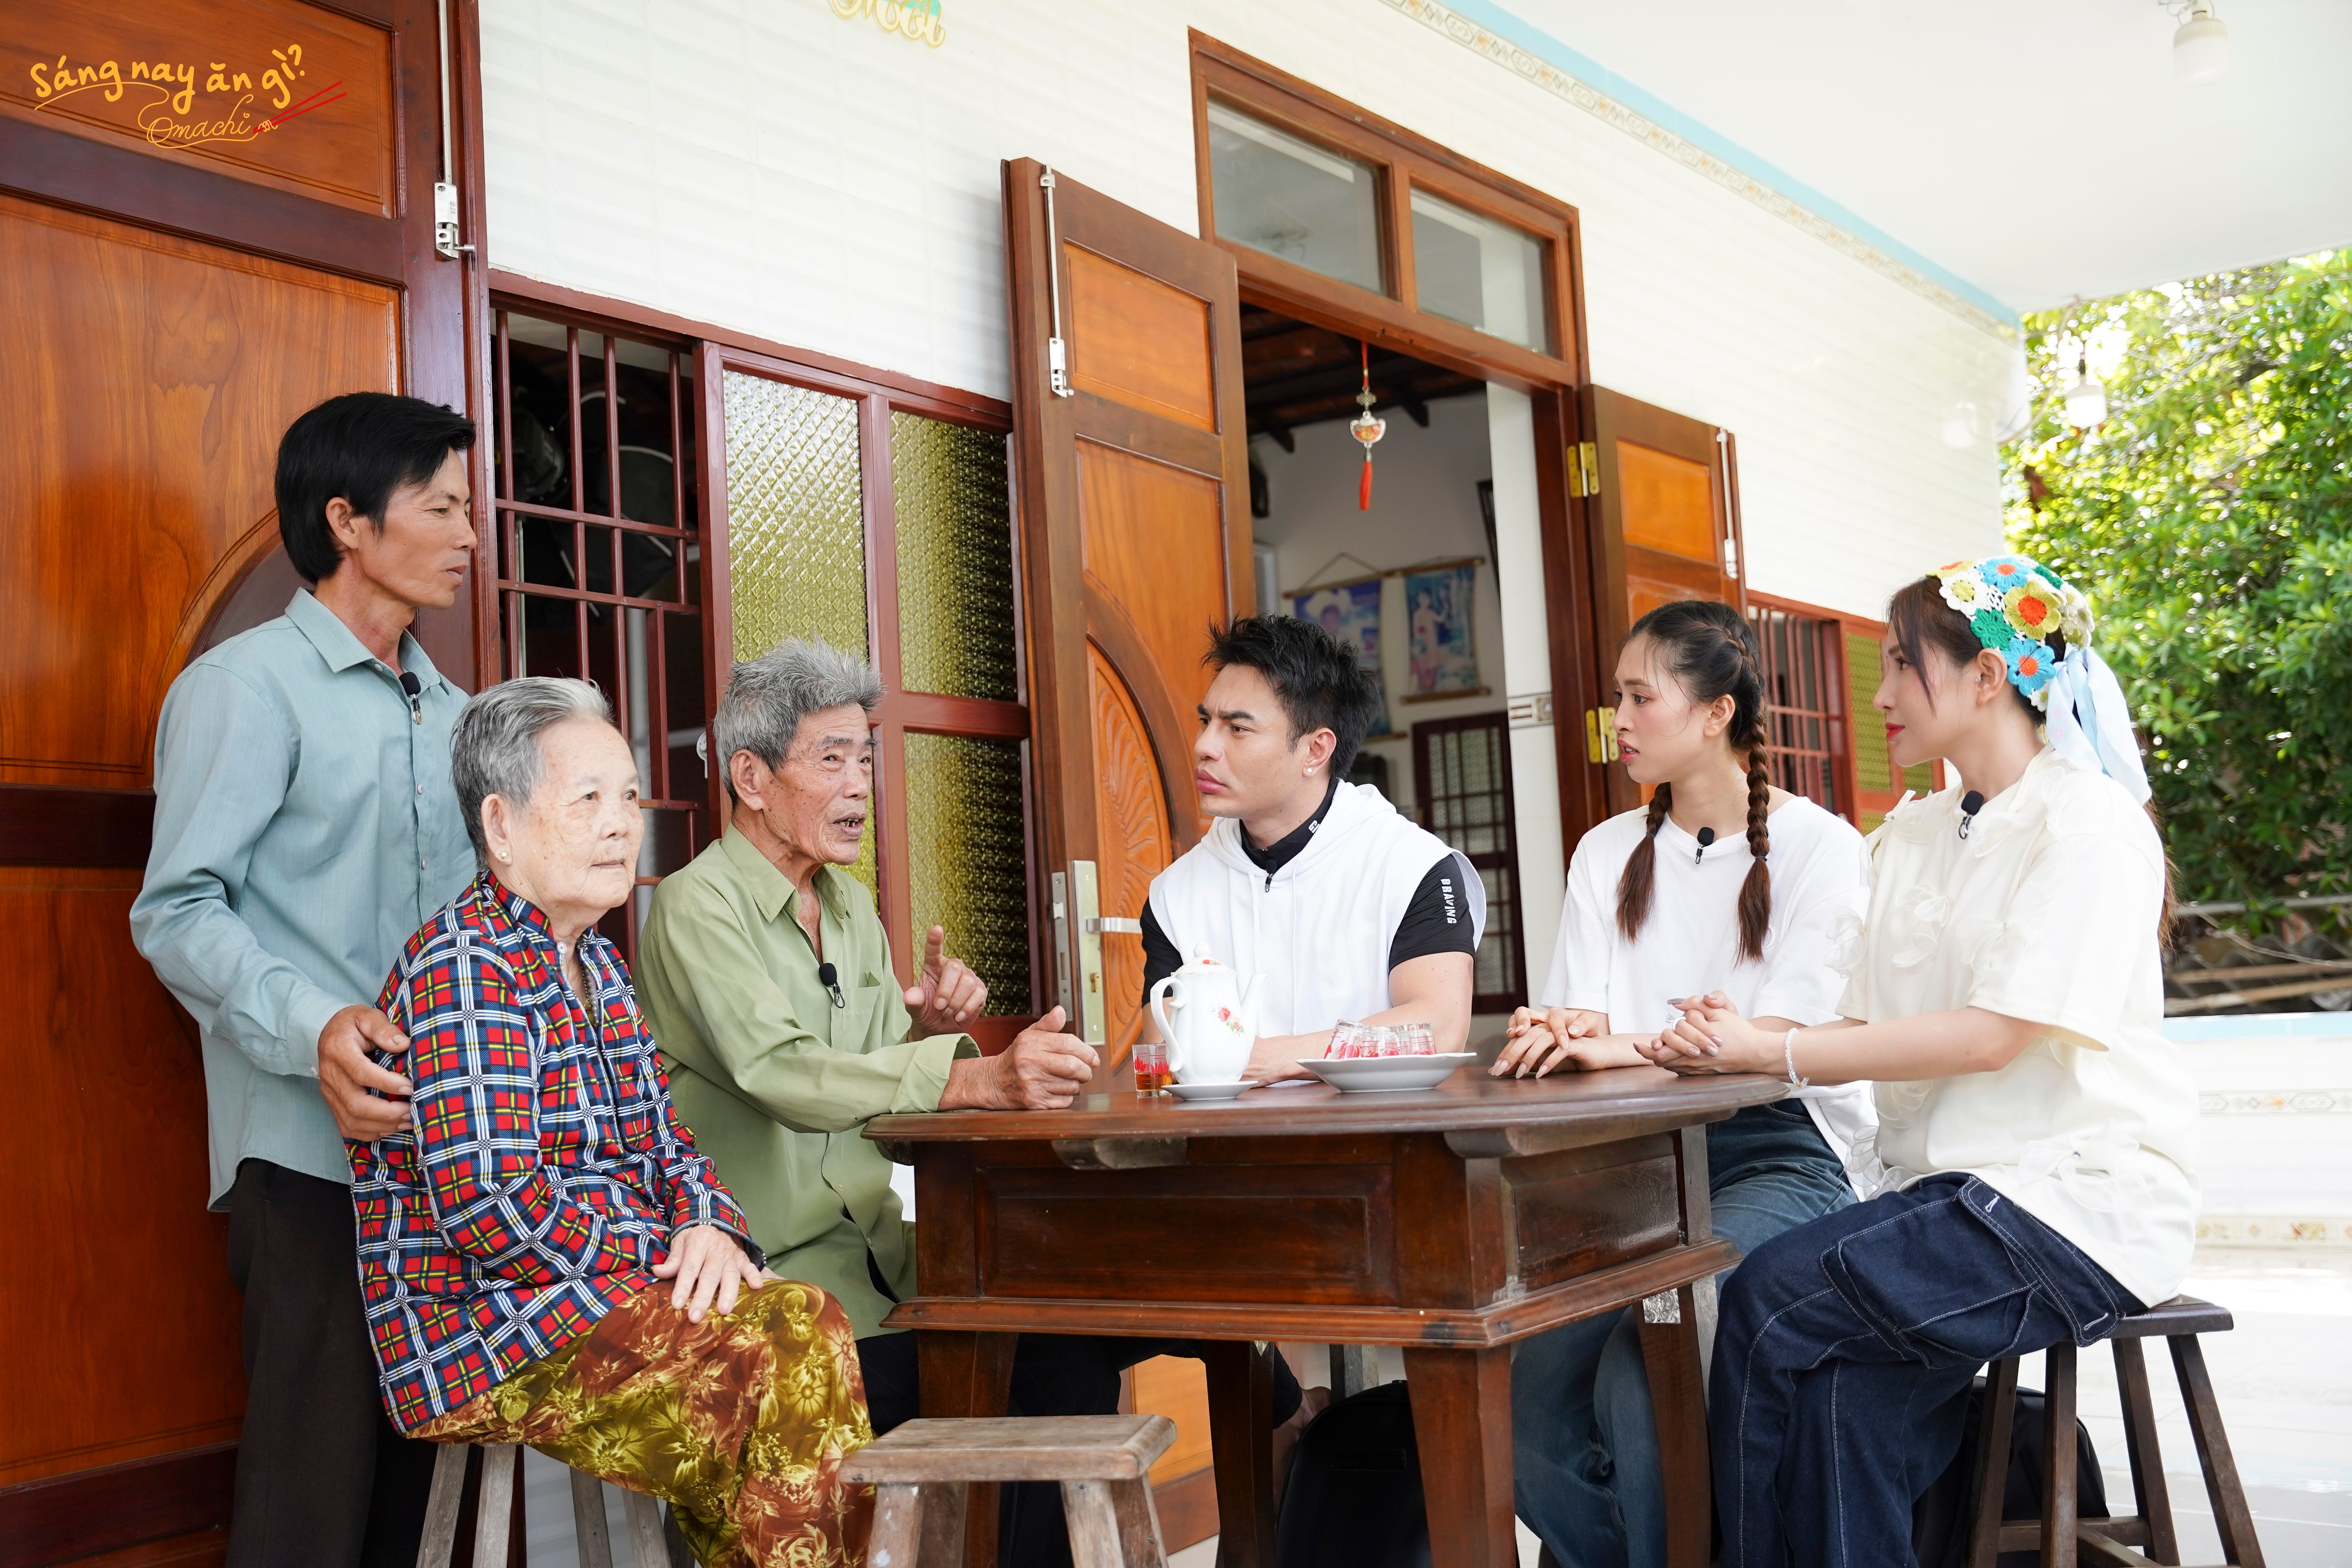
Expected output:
(946, 996)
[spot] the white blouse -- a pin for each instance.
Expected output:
(2046, 912)
(1690, 943)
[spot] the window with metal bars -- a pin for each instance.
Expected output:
(599, 560)
(1462, 789)
(1804, 702)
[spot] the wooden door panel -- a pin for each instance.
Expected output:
(1135, 540)
(1155, 546)
(1135, 839)
(1669, 502)
(124, 1323)
(1140, 341)
(1662, 514)
(341, 150)
(161, 373)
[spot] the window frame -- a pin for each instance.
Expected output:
(1401, 162)
(880, 393)
(1834, 628)
(901, 712)
(1425, 737)
(500, 596)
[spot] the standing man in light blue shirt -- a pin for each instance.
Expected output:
(305, 826)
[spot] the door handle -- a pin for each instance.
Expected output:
(1086, 928)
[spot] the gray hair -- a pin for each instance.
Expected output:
(494, 750)
(767, 698)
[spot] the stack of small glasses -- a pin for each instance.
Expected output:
(1353, 1041)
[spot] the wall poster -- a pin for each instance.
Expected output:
(1351, 612)
(1443, 655)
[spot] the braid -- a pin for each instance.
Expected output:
(1641, 867)
(1756, 892)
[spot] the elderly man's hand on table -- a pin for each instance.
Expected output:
(710, 1266)
(946, 996)
(1042, 1070)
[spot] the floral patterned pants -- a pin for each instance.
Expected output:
(741, 1421)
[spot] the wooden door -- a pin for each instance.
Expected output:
(1132, 471)
(1662, 497)
(1133, 479)
(169, 299)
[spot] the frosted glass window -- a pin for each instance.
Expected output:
(1290, 198)
(1478, 272)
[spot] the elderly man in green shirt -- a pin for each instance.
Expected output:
(764, 973)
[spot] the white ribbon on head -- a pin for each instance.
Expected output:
(2089, 723)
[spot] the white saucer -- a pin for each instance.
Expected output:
(1363, 1075)
(1208, 1090)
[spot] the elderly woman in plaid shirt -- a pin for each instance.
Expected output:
(545, 1256)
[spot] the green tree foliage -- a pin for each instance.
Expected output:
(2209, 519)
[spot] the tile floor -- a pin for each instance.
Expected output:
(2283, 1378)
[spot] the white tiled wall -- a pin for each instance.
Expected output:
(771, 167)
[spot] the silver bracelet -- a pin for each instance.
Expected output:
(1789, 1057)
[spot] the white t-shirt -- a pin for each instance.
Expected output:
(1690, 943)
(2046, 913)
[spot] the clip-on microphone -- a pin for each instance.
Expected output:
(413, 687)
(1705, 838)
(1970, 804)
(830, 978)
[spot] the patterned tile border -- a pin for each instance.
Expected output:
(1582, 95)
(2273, 1101)
(2274, 1230)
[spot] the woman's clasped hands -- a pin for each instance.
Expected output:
(1712, 1037)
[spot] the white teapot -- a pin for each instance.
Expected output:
(1203, 1013)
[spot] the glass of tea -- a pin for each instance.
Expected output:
(1151, 1074)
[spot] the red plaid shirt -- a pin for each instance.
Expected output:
(544, 1171)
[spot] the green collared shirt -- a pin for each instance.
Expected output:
(305, 826)
(776, 1083)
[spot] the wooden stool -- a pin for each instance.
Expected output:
(924, 1470)
(494, 1514)
(2059, 1535)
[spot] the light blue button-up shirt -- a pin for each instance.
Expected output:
(305, 827)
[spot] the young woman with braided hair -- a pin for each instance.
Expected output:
(1724, 885)
(2036, 1137)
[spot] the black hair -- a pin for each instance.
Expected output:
(1711, 652)
(1318, 679)
(361, 446)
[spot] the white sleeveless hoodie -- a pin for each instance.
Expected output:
(1320, 928)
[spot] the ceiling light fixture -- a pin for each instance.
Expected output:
(2201, 45)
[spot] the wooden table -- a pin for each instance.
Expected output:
(1451, 1222)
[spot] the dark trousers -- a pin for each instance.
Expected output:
(1843, 1356)
(1053, 1374)
(322, 1478)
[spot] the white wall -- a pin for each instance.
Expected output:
(769, 166)
(1425, 508)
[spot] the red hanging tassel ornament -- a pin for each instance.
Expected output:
(1366, 430)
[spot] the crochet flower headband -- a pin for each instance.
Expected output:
(2013, 604)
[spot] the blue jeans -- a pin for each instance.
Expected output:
(1584, 1443)
(1844, 1353)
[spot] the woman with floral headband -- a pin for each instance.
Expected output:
(2037, 1132)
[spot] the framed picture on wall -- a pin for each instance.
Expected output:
(1351, 612)
(1443, 653)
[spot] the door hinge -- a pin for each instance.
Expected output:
(1584, 469)
(1601, 734)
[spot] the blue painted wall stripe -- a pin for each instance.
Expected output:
(1559, 56)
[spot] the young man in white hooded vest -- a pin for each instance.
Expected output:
(1346, 909)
